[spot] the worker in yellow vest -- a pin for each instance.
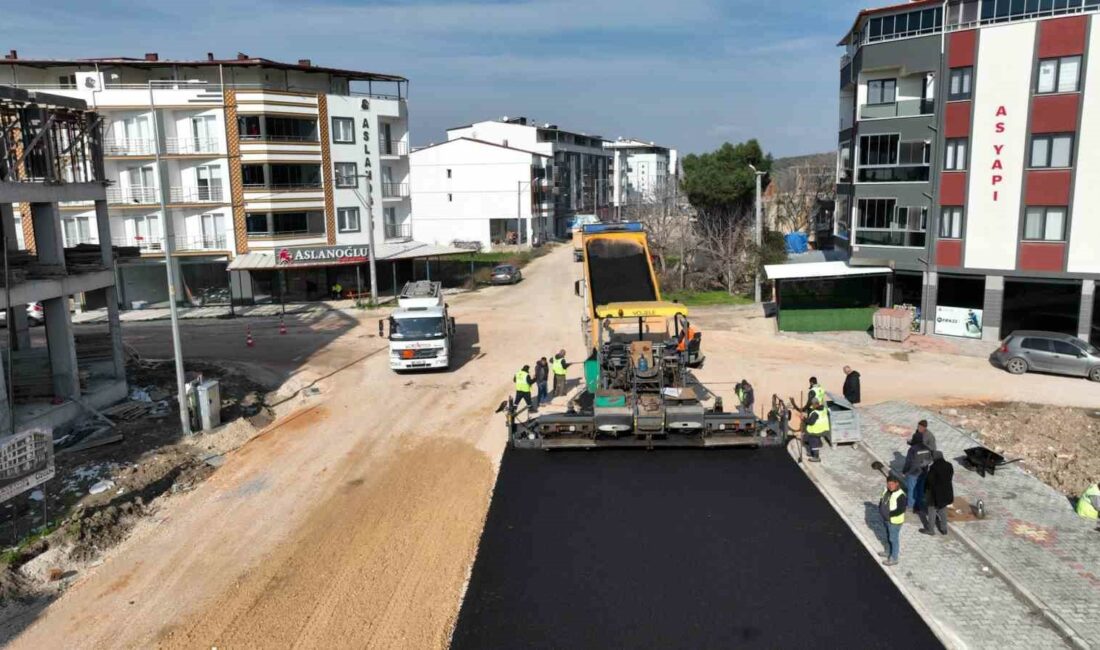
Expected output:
(816, 392)
(816, 425)
(1088, 505)
(557, 366)
(891, 506)
(523, 388)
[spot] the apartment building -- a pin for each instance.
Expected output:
(643, 173)
(481, 195)
(969, 161)
(218, 158)
(51, 155)
(581, 165)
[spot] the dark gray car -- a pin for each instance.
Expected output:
(505, 274)
(1032, 350)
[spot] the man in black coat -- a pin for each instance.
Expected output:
(939, 493)
(851, 385)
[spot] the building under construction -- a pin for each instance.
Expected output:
(51, 155)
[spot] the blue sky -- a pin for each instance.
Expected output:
(686, 73)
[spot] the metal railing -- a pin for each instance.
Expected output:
(212, 243)
(901, 108)
(151, 244)
(256, 137)
(401, 231)
(132, 195)
(214, 194)
(275, 187)
(395, 190)
(191, 145)
(129, 147)
(394, 148)
(202, 86)
(155, 244)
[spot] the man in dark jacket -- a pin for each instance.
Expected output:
(542, 376)
(851, 385)
(917, 461)
(939, 493)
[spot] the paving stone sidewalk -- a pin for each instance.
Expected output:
(220, 311)
(1030, 574)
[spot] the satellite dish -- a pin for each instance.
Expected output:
(91, 82)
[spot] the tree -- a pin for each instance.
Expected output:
(797, 191)
(721, 185)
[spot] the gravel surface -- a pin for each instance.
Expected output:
(673, 549)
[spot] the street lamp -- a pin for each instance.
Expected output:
(758, 233)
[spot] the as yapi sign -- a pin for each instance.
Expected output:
(998, 167)
(322, 255)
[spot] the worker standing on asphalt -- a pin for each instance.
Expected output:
(745, 396)
(917, 461)
(816, 392)
(1088, 505)
(891, 506)
(523, 388)
(939, 492)
(816, 425)
(558, 365)
(542, 375)
(851, 385)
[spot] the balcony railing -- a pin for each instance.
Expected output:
(129, 147)
(132, 195)
(256, 137)
(395, 190)
(397, 231)
(894, 174)
(277, 187)
(191, 145)
(152, 244)
(903, 108)
(155, 244)
(212, 243)
(394, 148)
(214, 194)
(204, 87)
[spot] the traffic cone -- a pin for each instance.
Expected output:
(282, 326)
(248, 338)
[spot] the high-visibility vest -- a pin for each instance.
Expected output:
(893, 504)
(689, 334)
(1084, 504)
(557, 365)
(740, 395)
(821, 425)
(818, 392)
(522, 383)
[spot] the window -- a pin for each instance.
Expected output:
(1058, 75)
(954, 157)
(209, 184)
(1044, 224)
(951, 222)
(1042, 345)
(252, 175)
(1052, 150)
(343, 130)
(844, 163)
(914, 153)
(389, 215)
(347, 219)
(248, 126)
(1061, 347)
(882, 223)
(256, 223)
(347, 174)
(878, 149)
(882, 91)
(76, 230)
(958, 85)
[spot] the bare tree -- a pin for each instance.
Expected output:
(725, 245)
(795, 194)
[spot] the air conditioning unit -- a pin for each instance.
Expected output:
(89, 81)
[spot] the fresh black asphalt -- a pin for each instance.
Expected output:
(675, 549)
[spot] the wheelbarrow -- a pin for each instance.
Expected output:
(984, 460)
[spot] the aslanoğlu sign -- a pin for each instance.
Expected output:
(321, 256)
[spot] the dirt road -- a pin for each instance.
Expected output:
(355, 520)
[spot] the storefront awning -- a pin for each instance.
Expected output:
(301, 257)
(820, 270)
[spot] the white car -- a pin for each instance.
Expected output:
(35, 314)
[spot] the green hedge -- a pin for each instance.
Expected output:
(826, 320)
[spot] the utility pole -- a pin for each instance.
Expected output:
(167, 246)
(758, 233)
(368, 203)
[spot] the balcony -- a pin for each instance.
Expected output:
(146, 244)
(132, 195)
(256, 137)
(394, 148)
(397, 231)
(395, 190)
(215, 194)
(903, 108)
(192, 146)
(281, 187)
(129, 147)
(894, 174)
(217, 242)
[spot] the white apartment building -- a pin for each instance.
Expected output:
(642, 172)
(473, 194)
(219, 158)
(581, 177)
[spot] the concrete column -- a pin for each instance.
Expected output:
(49, 243)
(928, 302)
(59, 340)
(1088, 297)
(5, 406)
(992, 303)
(110, 294)
(17, 316)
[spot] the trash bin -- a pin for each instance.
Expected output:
(843, 421)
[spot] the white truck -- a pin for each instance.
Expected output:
(421, 332)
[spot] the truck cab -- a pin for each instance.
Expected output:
(420, 330)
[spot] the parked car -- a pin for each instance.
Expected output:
(35, 315)
(1028, 350)
(505, 274)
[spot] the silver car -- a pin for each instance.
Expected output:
(1028, 350)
